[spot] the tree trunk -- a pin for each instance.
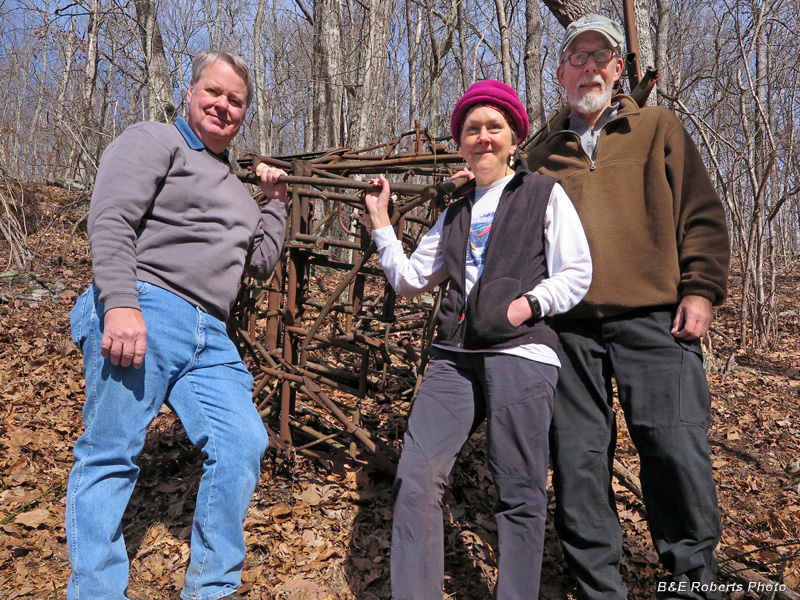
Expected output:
(327, 101)
(757, 311)
(329, 96)
(64, 139)
(534, 100)
(414, 36)
(262, 112)
(84, 147)
(567, 11)
(663, 27)
(439, 50)
(505, 42)
(372, 72)
(33, 125)
(461, 27)
(160, 106)
(91, 55)
(641, 11)
(434, 70)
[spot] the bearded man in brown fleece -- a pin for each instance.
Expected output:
(659, 244)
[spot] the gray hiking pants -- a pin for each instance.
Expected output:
(515, 397)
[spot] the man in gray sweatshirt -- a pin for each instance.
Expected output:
(172, 230)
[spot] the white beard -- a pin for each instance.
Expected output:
(590, 101)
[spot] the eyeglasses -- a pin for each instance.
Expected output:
(601, 57)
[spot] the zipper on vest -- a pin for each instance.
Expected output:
(462, 319)
(461, 327)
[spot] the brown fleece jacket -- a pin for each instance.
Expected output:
(655, 224)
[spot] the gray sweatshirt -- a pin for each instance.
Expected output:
(168, 211)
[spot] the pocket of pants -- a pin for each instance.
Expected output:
(695, 399)
(77, 317)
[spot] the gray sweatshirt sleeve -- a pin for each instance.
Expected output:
(268, 240)
(128, 179)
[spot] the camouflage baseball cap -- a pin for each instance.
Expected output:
(592, 22)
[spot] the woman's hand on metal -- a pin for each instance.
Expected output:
(377, 202)
(463, 173)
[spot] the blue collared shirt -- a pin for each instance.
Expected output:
(191, 137)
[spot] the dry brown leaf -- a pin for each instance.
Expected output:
(305, 585)
(33, 518)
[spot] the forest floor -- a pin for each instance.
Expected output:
(318, 530)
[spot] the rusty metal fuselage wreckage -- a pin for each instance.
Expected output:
(327, 319)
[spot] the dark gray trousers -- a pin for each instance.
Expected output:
(458, 392)
(664, 395)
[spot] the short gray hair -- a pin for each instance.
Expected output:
(206, 58)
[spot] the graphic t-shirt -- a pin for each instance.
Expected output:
(487, 197)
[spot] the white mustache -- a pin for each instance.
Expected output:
(590, 79)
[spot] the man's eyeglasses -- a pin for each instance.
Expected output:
(578, 59)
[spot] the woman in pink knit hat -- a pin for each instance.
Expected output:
(513, 252)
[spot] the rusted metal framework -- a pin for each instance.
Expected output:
(326, 330)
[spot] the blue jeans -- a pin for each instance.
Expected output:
(193, 366)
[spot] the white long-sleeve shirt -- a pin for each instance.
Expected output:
(569, 263)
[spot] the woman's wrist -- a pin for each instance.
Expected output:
(380, 219)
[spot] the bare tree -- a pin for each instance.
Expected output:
(357, 70)
(505, 43)
(567, 11)
(327, 84)
(260, 80)
(642, 11)
(739, 95)
(160, 105)
(92, 52)
(441, 39)
(663, 28)
(414, 23)
(372, 71)
(534, 98)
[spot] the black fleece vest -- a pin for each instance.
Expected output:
(514, 263)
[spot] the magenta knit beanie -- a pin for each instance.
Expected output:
(495, 94)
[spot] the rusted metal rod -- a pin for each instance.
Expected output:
(414, 159)
(316, 394)
(634, 67)
(642, 91)
(400, 188)
(410, 351)
(325, 241)
(287, 377)
(383, 159)
(326, 195)
(335, 294)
